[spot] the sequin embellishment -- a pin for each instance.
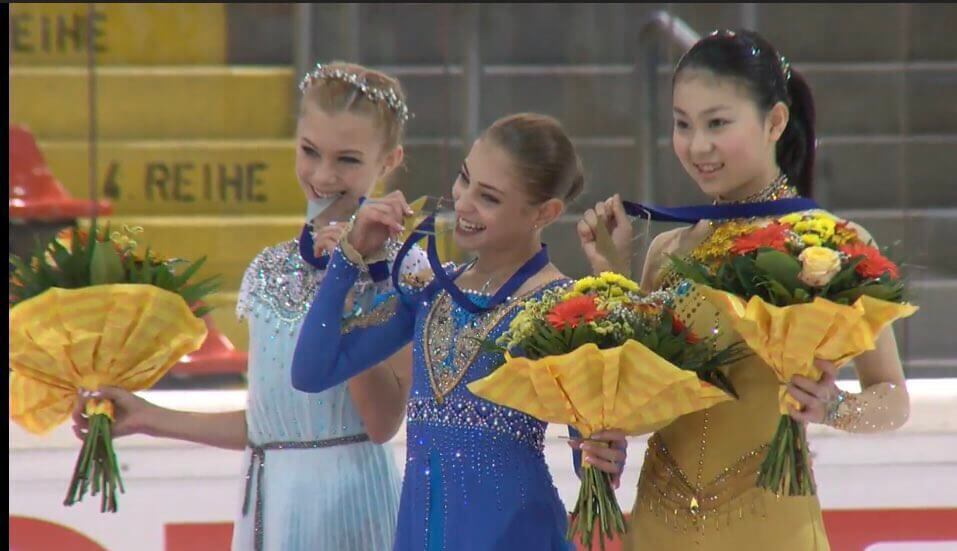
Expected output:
(468, 414)
(452, 339)
(280, 282)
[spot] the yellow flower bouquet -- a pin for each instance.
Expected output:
(87, 311)
(602, 356)
(803, 287)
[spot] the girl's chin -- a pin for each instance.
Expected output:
(466, 241)
(712, 188)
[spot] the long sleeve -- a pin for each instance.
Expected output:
(327, 353)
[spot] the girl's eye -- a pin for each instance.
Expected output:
(490, 198)
(309, 151)
(350, 160)
(463, 177)
(681, 125)
(717, 123)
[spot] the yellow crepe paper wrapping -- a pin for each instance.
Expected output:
(790, 338)
(63, 340)
(628, 387)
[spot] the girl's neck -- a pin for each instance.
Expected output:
(767, 187)
(495, 266)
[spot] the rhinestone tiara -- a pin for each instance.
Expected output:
(375, 95)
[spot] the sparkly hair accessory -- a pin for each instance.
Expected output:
(785, 68)
(722, 32)
(756, 51)
(375, 95)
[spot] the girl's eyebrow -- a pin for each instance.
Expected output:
(707, 111)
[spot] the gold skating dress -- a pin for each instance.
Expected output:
(697, 485)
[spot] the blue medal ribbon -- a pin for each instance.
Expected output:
(697, 213)
(379, 271)
(447, 282)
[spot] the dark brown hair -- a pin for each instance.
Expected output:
(543, 154)
(747, 57)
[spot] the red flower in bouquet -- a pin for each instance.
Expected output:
(677, 328)
(773, 236)
(874, 264)
(574, 311)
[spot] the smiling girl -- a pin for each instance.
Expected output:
(744, 132)
(317, 475)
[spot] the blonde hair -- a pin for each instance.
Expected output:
(335, 94)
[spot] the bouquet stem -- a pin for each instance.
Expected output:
(786, 469)
(596, 500)
(96, 466)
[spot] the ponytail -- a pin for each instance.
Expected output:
(796, 148)
(748, 57)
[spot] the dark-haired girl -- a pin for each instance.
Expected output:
(744, 131)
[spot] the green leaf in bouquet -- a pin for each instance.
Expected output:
(202, 311)
(801, 296)
(61, 256)
(180, 279)
(778, 293)
(882, 292)
(669, 347)
(71, 263)
(107, 266)
(26, 285)
(144, 274)
(650, 340)
(164, 278)
(847, 296)
(196, 291)
(550, 334)
(484, 345)
(727, 280)
(719, 379)
(87, 249)
(744, 270)
(693, 271)
(783, 267)
(843, 278)
(539, 346)
(581, 335)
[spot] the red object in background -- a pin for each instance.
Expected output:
(860, 529)
(35, 193)
(203, 536)
(32, 534)
(856, 530)
(216, 356)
